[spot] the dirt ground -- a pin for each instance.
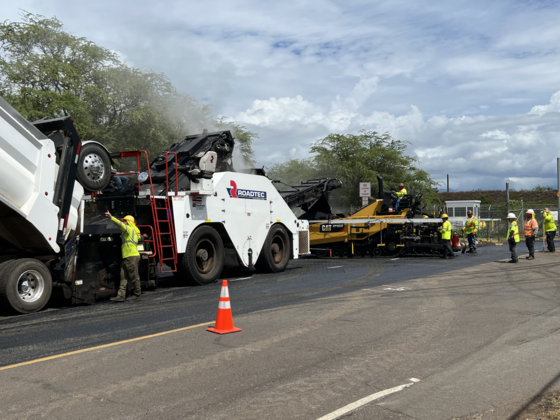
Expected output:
(544, 407)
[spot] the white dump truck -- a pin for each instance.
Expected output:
(196, 214)
(40, 201)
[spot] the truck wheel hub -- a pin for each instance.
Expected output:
(93, 167)
(30, 286)
(202, 255)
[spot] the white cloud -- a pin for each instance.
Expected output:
(496, 134)
(553, 106)
(479, 151)
(296, 71)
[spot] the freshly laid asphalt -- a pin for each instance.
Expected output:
(479, 333)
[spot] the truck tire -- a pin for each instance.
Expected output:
(25, 286)
(203, 261)
(276, 251)
(94, 167)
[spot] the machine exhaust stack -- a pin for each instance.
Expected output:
(379, 187)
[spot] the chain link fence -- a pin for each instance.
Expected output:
(498, 228)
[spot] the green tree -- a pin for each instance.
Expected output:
(542, 188)
(45, 71)
(484, 199)
(294, 171)
(360, 158)
(355, 158)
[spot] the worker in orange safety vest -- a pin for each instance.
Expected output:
(530, 229)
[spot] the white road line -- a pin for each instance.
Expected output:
(338, 266)
(242, 278)
(394, 259)
(355, 405)
(388, 289)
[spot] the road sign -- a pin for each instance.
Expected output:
(365, 189)
(365, 201)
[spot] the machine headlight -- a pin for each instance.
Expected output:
(142, 177)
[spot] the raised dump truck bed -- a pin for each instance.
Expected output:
(40, 201)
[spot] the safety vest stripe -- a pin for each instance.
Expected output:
(224, 305)
(132, 241)
(514, 227)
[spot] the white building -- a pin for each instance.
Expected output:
(457, 211)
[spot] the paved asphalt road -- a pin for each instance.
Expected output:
(479, 333)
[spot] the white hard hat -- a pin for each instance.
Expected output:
(530, 211)
(511, 216)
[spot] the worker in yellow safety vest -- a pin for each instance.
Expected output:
(513, 237)
(446, 238)
(400, 195)
(550, 229)
(130, 258)
(402, 191)
(471, 230)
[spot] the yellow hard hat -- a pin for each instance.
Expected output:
(128, 218)
(444, 216)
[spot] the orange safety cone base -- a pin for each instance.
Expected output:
(224, 320)
(217, 331)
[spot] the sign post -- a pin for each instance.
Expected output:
(365, 192)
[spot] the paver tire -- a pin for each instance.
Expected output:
(94, 167)
(25, 286)
(203, 260)
(276, 251)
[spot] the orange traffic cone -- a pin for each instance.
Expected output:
(224, 320)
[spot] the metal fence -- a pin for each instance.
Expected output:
(498, 228)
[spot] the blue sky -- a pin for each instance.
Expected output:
(470, 83)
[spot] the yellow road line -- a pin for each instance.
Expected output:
(118, 343)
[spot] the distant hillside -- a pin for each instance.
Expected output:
(499, 196)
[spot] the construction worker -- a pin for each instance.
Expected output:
(446, 238)
(513, 237)
(130, 258)
(530, 229)
(400, 195)
(402, 191)
(471, 230)
(550, 229)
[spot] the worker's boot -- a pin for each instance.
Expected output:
(133, 298)
(118, 299)
(474, 251)
(470, 251)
